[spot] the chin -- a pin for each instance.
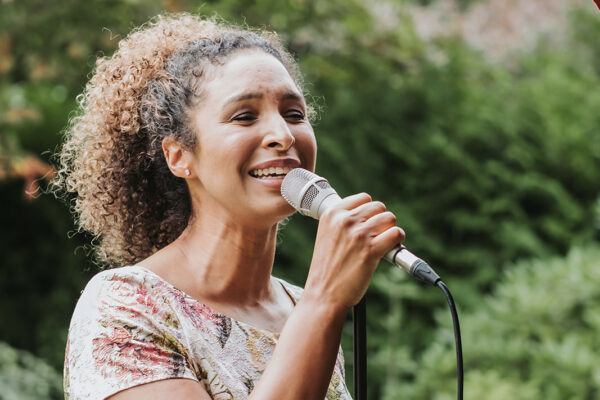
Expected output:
(273, 215)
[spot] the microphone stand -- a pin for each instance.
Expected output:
(359, 318)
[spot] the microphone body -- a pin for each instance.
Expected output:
(312, 195)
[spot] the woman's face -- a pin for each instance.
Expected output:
(252, 127)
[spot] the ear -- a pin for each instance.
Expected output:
(178, 158)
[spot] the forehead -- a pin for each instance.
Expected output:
(251, 70)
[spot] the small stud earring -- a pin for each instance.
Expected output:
(187, 172)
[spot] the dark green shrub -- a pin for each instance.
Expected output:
(26, 377)
(535, 337)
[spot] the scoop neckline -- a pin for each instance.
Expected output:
(212, 310)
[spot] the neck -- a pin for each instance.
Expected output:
(227, 262)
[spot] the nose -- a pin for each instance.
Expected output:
(278, 135)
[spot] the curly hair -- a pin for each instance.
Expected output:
(112, 159)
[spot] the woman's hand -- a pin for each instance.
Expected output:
(352, 237)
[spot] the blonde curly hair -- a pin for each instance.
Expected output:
(112, 160)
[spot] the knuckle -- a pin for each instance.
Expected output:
(346, 222)
(328, 215)
(359, 235)
(370, 253)
(341, 219)
(354, 212)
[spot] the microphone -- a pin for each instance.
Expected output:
(311, 195)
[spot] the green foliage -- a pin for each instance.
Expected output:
(40, 273)
(47, 49)
(536, 337)
(484, 164)
(26, 377)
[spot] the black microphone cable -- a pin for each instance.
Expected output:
(457, 339)
(360, 345)
(419, 269)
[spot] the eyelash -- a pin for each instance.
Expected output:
(297, 115)
(246, 116)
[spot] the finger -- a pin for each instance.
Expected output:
(387, 240)
(380, 223)
(368, 210)
(351, 202)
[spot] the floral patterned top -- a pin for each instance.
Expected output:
(131, 327)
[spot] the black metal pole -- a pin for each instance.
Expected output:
(359, 317)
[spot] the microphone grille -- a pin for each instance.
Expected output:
(294, 190)
(323, 184)
(309, 197)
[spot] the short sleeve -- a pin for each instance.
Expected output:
(123, 333)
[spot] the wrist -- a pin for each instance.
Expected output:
(322, 306)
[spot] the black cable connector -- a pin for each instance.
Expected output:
(423, 272)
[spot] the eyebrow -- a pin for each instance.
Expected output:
(244, 96)
(292, 96)
(259, 95)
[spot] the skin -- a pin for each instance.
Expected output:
(252, 112)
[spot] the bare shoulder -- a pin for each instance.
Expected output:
(174, 389)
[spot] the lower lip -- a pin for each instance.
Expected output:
(274, 183)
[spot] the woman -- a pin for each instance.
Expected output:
(177, 160)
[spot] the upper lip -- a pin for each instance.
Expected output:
(278, 162)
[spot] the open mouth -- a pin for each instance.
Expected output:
(270, 173)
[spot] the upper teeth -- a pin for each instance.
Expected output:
(270, 171)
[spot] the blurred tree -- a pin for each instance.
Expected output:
(483, 164)
(25, 377)
(536, 337)
(28, 167)
(47, 49)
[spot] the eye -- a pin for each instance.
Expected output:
(295, 115)
(244, 117)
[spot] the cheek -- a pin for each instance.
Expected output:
(226, 151)
(307, 147)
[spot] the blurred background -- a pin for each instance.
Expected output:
(476, 121)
